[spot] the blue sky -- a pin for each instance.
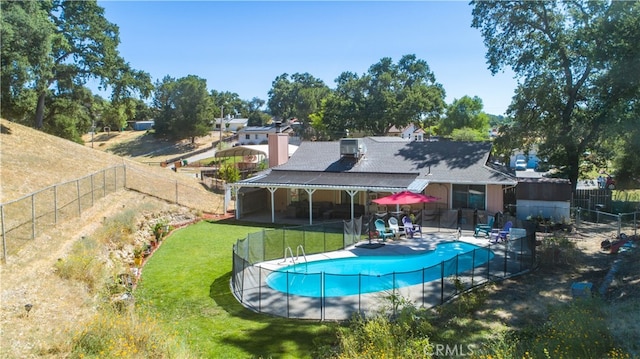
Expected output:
(243, 46)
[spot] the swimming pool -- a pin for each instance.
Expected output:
(368, 274)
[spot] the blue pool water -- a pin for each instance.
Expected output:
(368, 274)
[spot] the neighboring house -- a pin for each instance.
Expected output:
(410, 132)
(231, 124)
(142, 125)
(341, 177)
(257, 135)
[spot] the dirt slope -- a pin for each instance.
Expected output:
(29, 161)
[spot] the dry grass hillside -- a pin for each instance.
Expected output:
(31, 160)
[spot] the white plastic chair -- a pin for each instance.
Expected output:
(395, 227)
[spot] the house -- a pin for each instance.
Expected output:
(231, 124)
(339, 179)
(410, 132)
(142, 125)
(257, 135)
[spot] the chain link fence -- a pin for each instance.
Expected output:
(24, 219)
(263, 256)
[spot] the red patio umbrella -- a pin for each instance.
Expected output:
(405, 197)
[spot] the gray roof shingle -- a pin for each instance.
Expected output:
(390, 160)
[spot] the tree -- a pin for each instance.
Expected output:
(27, 38)
(183, 107)
(51, 47)
(297, 98)
(620, 89)
(230, 102)
(387, 95)
(343, 109)
(559, 52)
(466, 112)
(257, 117)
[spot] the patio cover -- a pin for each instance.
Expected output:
(381, 182)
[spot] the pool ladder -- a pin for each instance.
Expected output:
(297, 257)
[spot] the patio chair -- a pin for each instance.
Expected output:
(411, 228)
(484, 227)
(383, 231)
(498, 235)
(395, 227)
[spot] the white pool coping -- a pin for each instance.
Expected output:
(408, 246)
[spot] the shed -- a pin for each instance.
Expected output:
(543, 196)
(143, 125)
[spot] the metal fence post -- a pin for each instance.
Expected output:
(619, 224)
(4, 236)
(441, 282)
(360, 292)
(288, 294)
(55, 204)
(79, 204)
(473, 266)
(92, 189)
(322, 296)
(33, 216)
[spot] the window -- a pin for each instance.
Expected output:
(469, 196)
(293, 194)
(247, 137)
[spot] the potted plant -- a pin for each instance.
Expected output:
(137, 256)
(160, 229)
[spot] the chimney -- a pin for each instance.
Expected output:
(278, 146)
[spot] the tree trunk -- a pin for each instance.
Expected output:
(40, 111)
(574, 168)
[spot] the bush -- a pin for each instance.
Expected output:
(83, 264)
(114, 335)
(404, 334)
(118, 230)
(575, 330)
(557, 250)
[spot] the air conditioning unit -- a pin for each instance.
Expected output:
(352, 147)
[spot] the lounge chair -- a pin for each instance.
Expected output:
(383, 231)
(411, 228)
(498, 235)
(395, 227)
(485, 227)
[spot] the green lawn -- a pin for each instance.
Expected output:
(186, 284)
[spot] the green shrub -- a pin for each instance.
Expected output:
(119, 229)
(575, 330)
(114, 335)
(466, 302)
(83, 264)
(557, 249)
(404, 334)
